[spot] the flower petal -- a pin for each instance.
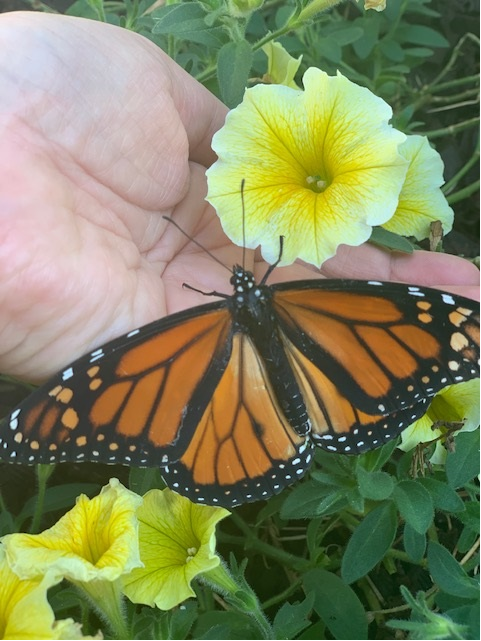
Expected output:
(69, 629)
(421, 200)
(25, 612)
(97, 539)
(454, 404)
(281, 66)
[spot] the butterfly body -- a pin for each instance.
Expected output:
(229, 398)
(253, 315)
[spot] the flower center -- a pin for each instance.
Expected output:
(316, 183)
(191, 552)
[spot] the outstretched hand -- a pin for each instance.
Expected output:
(101, 135)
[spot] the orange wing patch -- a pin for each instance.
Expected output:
(335, 420)
(243, 440)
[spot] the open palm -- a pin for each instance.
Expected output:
(101, 135)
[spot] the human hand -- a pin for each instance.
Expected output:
(101, 135)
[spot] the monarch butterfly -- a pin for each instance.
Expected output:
(230, 397)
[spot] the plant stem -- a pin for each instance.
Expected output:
(462, 172)
(452, 129)
(43, 474)
(462, 194)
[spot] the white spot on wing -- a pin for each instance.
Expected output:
(66, 374)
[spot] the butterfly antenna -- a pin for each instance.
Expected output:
(274, 265)
(196, 242)
(243, 184)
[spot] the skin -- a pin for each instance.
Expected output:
(101, 134)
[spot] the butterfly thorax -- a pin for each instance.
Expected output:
(251, 304)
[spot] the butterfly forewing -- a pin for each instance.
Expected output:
(130, 401)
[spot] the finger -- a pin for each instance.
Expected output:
(431, 269)
(202, 114)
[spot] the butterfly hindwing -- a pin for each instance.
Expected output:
(244, 449)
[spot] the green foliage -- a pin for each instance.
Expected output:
(426, 624)
(233, 65)
(333, 598)
(464, 462)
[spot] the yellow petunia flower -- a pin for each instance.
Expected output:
(421, 200)
(92, 546)
(25, 612)
(281, 66)
(69, 630)
(95, 540)
(321, 167)
(177, 543)
(457, 404)
(377, 5)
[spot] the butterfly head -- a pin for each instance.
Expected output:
(242, 280)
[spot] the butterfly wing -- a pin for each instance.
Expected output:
(368, 356)
(244, 449)
(184, 392)
(137, 400)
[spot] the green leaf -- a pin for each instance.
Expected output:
(347, 34)
(330, 479)
(467, 615)
(369, 542)
(356, 500)
(419, 52)
(443, 496)
(187, 22)
(389, 240)
(337, 604)
(392, 50)
(364, 46)
(449, 575)
(291, 619)
(414, 543)
(467, 539)
(143, 479)
(414, 504)
(182, 619)
(420, 35)
(310, 500)
(58, 497)
(462, 465)
(7, 523)
(470, 517)
(375, 459)
(330, 49)
(315, 631)
(233, 66)
(225, 625)
(64, 598)
(374, 485)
